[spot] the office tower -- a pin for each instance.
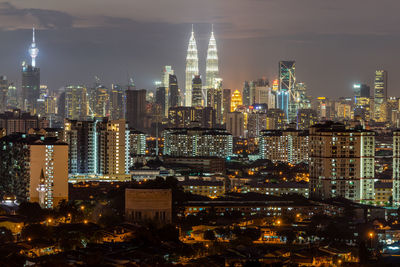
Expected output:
(116, 102)
(362, 102)
(342, 162)
(306, 118)
(167, 71)
(12, 96)
(50, 103)
(30, 87)
(192, 69)
(211, 62)
(226, 102)
(276, 119)
(3, 93)
(188, 117)
(252, 92)
(17, 121)
(275, 86)
(256, 122)
(380, 93)
(246, 93)
(99, 100)
(197, 142)
(287, 81)
(30, 162)
(135, 108)
(235, 124)
(160, 100)
(301, 99)
(396, 168)
(111, 147)
(343, 109)
(361, 91)
(82, 140)
(236, 100)
(174, 92)
(324, 109)
(214, 99)
(289, 146)
(197, 97)
(76, 103)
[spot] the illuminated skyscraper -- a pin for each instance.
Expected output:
(33, 50)
(30, 87)
(167, 71)
(3, 93)
(197, 99)
(287, 81)
(192, 68)
(236, 100)
(380, 93)
(211, 62)
(174, 92)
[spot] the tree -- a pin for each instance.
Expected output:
(36, 232)
(32, 212)
(209, 235)
(6, 235)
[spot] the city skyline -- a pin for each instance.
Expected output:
(67, 42)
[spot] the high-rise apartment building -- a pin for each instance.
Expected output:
(289, 146)
(111, 147)
(342, 162)
(135, 145)
(197, 96)
(192, 69)
(135, 108)
(34, 169)
(96, 147)
(380, 93)
(197, 142)
(82, 140)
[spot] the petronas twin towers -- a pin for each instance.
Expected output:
(192, 66)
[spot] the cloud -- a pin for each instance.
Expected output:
(12, 17)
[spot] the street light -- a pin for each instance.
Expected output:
(278, 222)
(371, 235)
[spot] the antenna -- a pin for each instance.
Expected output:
(192, 27)
(212, 27)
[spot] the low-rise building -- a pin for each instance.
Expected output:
(383, 193)
(277, 189)
(148, 205)
(212, 189)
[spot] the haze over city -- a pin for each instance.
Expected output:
(334, 43)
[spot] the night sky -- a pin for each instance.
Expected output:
(334, 42)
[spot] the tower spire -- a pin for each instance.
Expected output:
(33, 50)
(212, 71)
(192, 68)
